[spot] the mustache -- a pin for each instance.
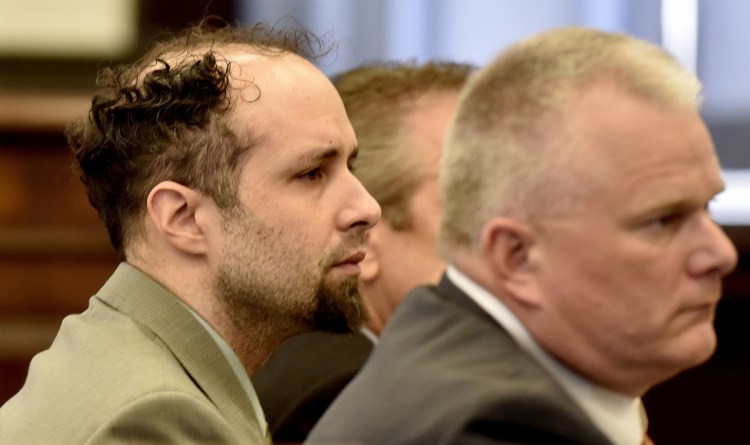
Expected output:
(351, 245)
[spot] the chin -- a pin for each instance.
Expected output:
(340, 308)
(696, 348)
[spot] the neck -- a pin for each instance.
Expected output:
(253, 336)
(376, 317)
(253, 339)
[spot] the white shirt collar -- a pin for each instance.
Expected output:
(369, 334)
(237, 367)
(620, 418)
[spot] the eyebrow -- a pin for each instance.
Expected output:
(327, 154)
(675, 205)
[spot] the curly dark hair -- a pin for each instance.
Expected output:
(163, 118)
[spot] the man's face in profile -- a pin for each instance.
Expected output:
(293, 246)
(634, 271)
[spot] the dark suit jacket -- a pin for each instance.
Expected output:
(302, 378)
(135, 367)
(444, 372)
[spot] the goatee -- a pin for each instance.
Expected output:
(340, 308)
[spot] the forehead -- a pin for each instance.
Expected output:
(285, 102)
(641, 151)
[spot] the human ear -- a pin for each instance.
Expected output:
(173, 210)
(507, 245)
(370, 266)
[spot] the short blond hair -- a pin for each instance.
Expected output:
(508, 152)
(378, 99)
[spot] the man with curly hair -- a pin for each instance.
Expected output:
(221, 165)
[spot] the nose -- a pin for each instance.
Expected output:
(360, 209)
(717, 254)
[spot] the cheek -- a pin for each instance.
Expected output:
(294, 250)
(603, 289)
(636, 300)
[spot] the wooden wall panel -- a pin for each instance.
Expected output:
(54, 251)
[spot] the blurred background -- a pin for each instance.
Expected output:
(54, 252)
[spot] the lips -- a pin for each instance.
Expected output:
(704, 303)
(349, 265)
(354, 258)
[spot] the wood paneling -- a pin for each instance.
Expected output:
(54, 251)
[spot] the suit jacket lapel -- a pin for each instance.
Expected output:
(448, 291)
(135, 294)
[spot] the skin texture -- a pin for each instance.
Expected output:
(304, 213)
(399, 260)
(623, 287)
(286, 259)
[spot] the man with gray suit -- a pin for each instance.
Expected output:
(583, 265)
(221, 166)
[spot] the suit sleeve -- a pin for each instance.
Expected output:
(166, 418)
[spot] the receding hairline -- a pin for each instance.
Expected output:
(226, 53)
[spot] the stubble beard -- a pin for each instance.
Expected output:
(332, 307)
(261, 282)
(259, 292)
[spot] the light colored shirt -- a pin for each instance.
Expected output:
(619, 417)
(369, 335)
(238, 369)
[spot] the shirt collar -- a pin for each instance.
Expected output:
(369, 334)
(621, 418)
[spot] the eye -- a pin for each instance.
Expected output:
(666, 220)
(312, 175)
(670, 220)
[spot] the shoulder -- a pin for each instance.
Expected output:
(100, 362)
(304, 375)
(308, 359)
(156, 417)
(165, 417)
(444, 372)
(314, 356)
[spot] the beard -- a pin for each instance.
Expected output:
(336, 307)
(340, 308)
(260, 281)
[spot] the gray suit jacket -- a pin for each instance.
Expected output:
(444, 372)
(135, 367)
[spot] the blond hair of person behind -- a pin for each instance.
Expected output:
(378, 98)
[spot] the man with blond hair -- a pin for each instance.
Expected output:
(583, 265)
(400, 113)
(221, 166)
